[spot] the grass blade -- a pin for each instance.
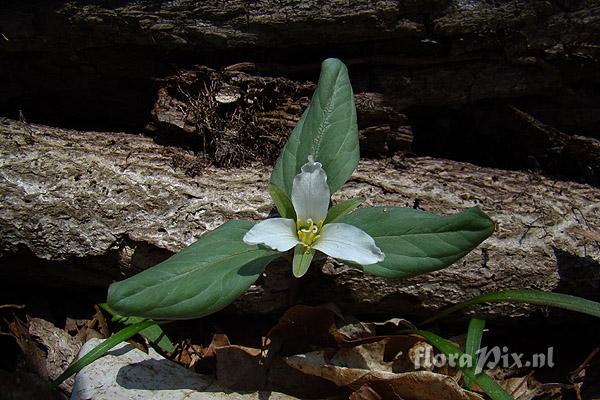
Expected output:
(154, 333)
(102, 349)
(473, 344)
(538, 297)
(487, 384)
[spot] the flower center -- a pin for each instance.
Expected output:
(308, 232)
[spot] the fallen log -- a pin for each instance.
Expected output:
(95, 64)
(86, 208)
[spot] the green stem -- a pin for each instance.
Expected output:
(101, 350)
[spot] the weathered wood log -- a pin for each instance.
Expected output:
(72, 199)
(92, 64)
(444, 48)
(235, 117)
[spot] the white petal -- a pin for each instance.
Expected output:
(350, 243)
(310, 193)
(276, 233)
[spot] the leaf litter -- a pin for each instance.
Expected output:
(311, 352)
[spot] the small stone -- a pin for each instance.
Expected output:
(128, 373)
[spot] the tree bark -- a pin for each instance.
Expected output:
(94, 64)
(90, 207)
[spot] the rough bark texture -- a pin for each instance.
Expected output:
(93, 64)
(90, 207)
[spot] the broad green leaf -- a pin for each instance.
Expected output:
(417, 242)
(343, 208)
(282, 202)
(199, 280)
(474, 335)
(327, 130)
(487, 384)
(302, 259)
(101, 350)
(538, 297)
(153, 333)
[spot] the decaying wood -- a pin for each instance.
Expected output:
(72, 198)
(234, 117)
(94, 64)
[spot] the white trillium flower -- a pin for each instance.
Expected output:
(310, 197)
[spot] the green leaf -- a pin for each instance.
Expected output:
(153, 333)
(474, 335)
(102, 349)
(302, 259)
(156, 335)
(327, 130)
(487, 384)
(200, 280)
(282, 202)
(417, 242)
(343, 208)
(559, 300)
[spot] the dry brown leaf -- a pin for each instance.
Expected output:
(549, 391)
(365, 392)
(241, 368)
(304, 326)
(367, 356)
(516, 387)
(34, 357)
(188, 354)
(420, 385)
(47, 350)
(357, 330)
(218, 340)
(317, 363)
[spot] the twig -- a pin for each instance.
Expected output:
(525, 378)
(19, 306)
(586, 361)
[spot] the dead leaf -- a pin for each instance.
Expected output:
(421, 356)
(86, 329)
(367, 356)
(419, 385)
(241, 368)
(218, 340)
(34, 357)
(365, 392)
(356, 330)
(422, 385)
(60, 347)
(304, 326)
(188, 354)
(317, 363)
(516, 387)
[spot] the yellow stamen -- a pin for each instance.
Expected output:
(308, 232)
